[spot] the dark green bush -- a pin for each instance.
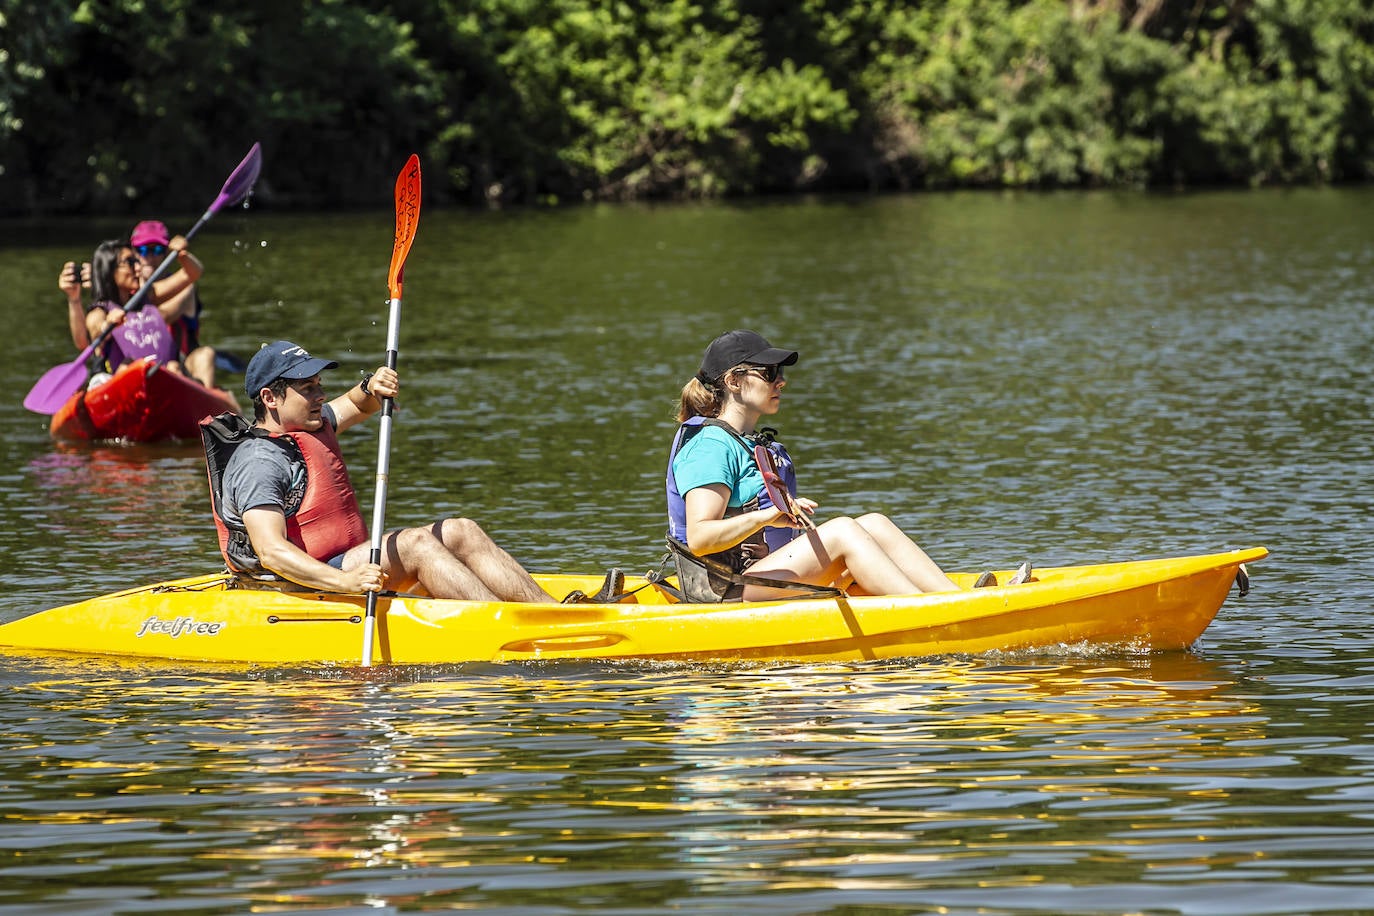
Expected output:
(122, 105)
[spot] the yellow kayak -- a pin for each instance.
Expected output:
(1136, 606)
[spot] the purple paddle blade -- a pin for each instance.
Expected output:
(240, 182)
(57, 385)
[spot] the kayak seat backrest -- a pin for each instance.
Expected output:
(703, 580)
(219, 436)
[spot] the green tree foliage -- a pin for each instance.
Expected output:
(152, 102)
(1280, 95)
(564, 98)
(123, 105)
(1000, 93)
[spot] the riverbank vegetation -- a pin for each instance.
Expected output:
(115, 105)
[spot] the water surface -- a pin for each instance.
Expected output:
(1066, 378)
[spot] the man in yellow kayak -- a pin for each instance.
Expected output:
(283, 503)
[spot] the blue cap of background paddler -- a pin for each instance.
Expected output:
(741, 346)
(281, 359)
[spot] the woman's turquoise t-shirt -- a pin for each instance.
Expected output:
(716, 456)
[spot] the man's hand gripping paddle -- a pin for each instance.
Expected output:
(59, 383)
(407, 219)
(778, 493)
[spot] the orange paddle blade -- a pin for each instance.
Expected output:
(407, 219)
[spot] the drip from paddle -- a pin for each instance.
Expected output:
(59, 383)
(407, 218)
(778, 494)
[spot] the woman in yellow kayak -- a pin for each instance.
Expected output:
(718, 507)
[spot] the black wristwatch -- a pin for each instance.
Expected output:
(367, 379)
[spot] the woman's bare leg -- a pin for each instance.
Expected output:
(906, 553)
(822, 556)
(200, 365)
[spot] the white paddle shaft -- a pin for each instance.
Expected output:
(393, 332)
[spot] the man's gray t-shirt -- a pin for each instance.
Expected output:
(261, 474)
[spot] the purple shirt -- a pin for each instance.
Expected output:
(143, 333)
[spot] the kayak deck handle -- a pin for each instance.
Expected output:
(566, 643)
(352, 618)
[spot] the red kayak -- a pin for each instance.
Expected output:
(142, 402)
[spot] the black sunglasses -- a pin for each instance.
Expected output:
(131, 263)
(155, 251)
(769, 374)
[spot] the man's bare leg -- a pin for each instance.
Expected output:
(497, 570)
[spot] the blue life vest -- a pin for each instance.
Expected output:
(677, 504)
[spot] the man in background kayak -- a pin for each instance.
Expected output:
(283, 503)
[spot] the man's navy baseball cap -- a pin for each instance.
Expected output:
(281, 359)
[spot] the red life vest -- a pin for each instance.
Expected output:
(323, 519)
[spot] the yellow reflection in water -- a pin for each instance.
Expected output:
(884, 765)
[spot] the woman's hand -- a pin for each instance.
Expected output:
(69, 281)
(115, 316)
(189, 262)
(775, 517)
(785, 519)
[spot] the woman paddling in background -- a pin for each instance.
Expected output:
(115, 277)
(176, 297)
(717, 506)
